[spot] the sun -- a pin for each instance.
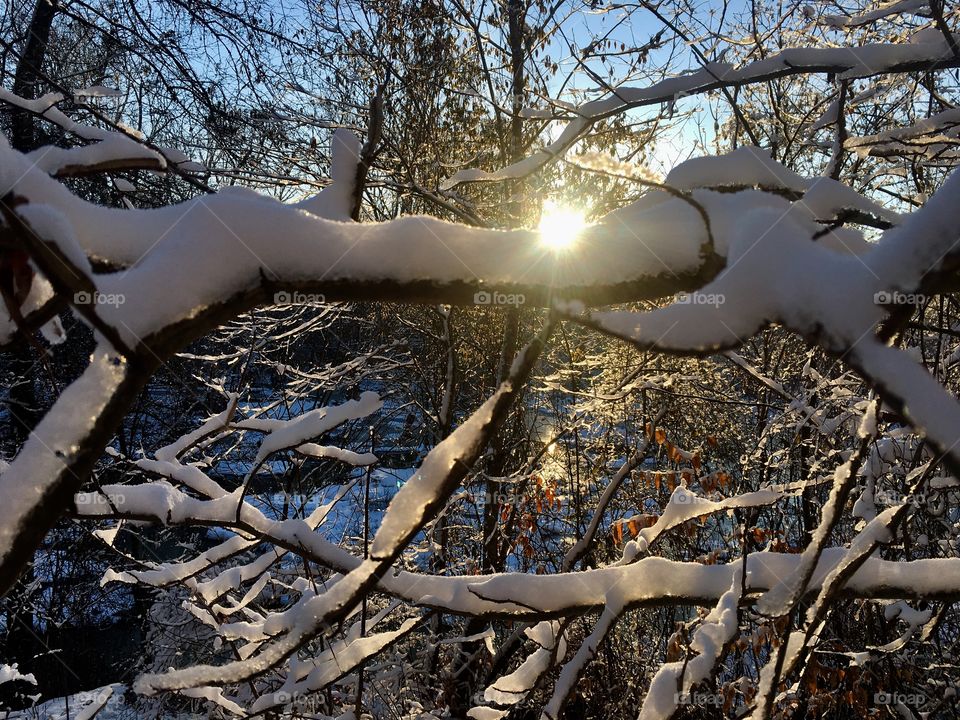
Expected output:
(560, 225)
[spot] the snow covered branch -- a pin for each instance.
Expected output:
(929, 51)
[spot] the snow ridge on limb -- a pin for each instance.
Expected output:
(571, 671)
(447, 262)
(9, 673)
(114, 152)
(686, 505)
(110, 149)
(119, 148)
(932, 137)
(885, 10)
(216, 424)
(291, 434)
(649, 581)
(447, 464)
(771, 264)
(826, 199)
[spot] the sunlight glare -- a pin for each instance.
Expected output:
(560, 225)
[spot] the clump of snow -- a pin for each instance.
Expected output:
(335, 202)
(9, 673)
(745, 166)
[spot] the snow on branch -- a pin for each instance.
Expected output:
(314, 614)
(778, 271)
(294, 433)
(512, 689)
(885, 10)
(934, 138)
(110, 149)
(759, 243)
(928, 51)
(649, 581)
(342, 658)
(676, 679)
(651, 248)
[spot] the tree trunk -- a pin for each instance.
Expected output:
(29, 74)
